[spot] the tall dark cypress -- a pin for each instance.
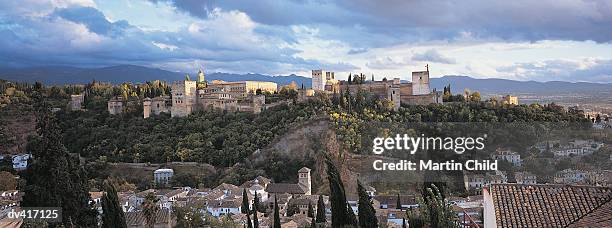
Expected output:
(367, 214)
(321, 218)
(112, 212)
(249, 224)
(337, 198)
(310, 210)
(403, 223)
(255, 205)
(398, 203)
(350, 214)
(276, 215)
(245, 202)
(54, 178)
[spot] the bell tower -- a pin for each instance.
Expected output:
(304, 180)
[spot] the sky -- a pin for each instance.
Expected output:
(544, 40)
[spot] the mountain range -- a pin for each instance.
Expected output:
(56, 75)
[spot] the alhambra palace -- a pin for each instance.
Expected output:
(249, 96)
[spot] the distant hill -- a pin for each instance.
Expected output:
(505, 86)
(57, 75)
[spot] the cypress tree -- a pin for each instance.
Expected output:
(249, 224)
(350, 214)
(321, 210)
(339, 206)
(313, 223)
(276, 216)
(113, 213)
(398, 204)
(350, 79)
(255, 205)
(245, 202)
(403, 223)
(150, 209)
(310, 210)
(54, 178)
(367, 214)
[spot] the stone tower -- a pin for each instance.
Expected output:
(420, 82)
(304, 180)
(200, 78)
(183, 98)
(146, 108)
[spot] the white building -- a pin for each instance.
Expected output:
(223, 207)
(509, 156)
(578, 148)
(473, 181)
(570, 176)
(525, 178)
(20, 162)
(320, 78)
(163, 176)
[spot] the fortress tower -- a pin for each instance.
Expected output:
(304, 180)
(200, 78)
(146, 108)
(183, 98)
(420, 82)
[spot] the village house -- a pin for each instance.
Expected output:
(476, 181)
(20, 161)
(163, 176)
(390, 201)
(303, 187)
(508, 155)
(578, 148)
(570, 176)
(525, 178)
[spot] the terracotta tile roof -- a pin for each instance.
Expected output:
(138, 219)
(518, 205)
(600, 217)
(276, 188)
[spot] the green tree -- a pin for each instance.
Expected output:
(321, 218)
(54, 178)
(398, 202)
(245, 202)
(436, 211)
(150, 209)
(112, 212)
(367, 214)
(341, 213)
(310, 210)
(276, 215)
(255, 210)
(249, 223)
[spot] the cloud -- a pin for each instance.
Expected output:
(432, 56)
(444, 19)
(387, 63)
(585, 69)
(357, 51)
(93, 19)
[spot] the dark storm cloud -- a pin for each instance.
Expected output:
(443, 19)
